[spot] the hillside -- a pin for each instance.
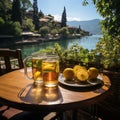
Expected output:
(91, 26)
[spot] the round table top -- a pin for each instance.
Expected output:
(18, 92)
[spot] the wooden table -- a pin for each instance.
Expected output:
(18, 92)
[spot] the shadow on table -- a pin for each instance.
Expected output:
(37, 93)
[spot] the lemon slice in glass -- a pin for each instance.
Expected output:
(36, 75)
(82, 75)
(68, 73)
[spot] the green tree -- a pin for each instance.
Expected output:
(16, 12)
(64, 19)
(64, 32)
(54, 32)
(5, 9)
(108, 46)
(2, 22)
(28, 25)
(10, 28)
(41, 14)
(44, 31)
(17, 29)
(110, 11)
(25, 5)
(78, 30)
(35, 15)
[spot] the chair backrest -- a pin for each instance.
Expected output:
(10, 60)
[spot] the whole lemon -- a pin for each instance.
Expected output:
(68, 73)
(93, 73)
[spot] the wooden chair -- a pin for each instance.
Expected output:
(10, 60)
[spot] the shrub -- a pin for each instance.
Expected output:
(54, 32)
(64, 32)
(10, 28)
(28, 25)
(44, 31)
(105, 56)
(109, 52)
(74, 55)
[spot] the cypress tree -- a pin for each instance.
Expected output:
(64, 19)
(41, 14)
(35, 15)
(16, 12)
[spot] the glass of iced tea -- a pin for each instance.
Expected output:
(50, 70)
(36, 65)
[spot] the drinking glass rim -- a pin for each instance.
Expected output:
(45, 55)
(38, 54)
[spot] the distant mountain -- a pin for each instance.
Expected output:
(91, 26)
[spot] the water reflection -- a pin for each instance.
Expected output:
(37, 93)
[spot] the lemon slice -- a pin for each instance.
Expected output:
(82, 75)
(93, 72)
(68, 73)
(36, 75)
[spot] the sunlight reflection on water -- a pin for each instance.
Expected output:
(88, 42)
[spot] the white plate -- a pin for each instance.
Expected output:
(76, 83)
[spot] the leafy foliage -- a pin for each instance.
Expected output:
(110, 10)
(74, 55)
(5, 9)
(108, 47)
(109, 51)
(10, 28)
(99, 58)
(25, 5)
(41, 14)
(54, 32)
(16, 12)
(28, 25)
(44, 31)
(35, 15)
(64, 32)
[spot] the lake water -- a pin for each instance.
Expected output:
(88, 42)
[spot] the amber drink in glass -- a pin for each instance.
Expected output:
(37, 68)
(50, 70)
(36, 59)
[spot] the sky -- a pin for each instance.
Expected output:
(74, 9)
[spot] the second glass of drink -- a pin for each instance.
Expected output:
(50, 70)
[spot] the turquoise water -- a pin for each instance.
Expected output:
(88, 42)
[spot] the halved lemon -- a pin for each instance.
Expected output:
(82, 75)
(93, 72)
(77, 68)
(68, 73)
